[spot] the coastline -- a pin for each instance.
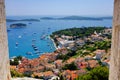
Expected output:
(53, 42)
(27, 32)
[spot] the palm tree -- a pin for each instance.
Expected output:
(4, 57)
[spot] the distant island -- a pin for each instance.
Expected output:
(83, 18)
(18, 25)
(33, 20)
(48, 18)
(76, 18)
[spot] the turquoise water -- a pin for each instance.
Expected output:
(32, 34)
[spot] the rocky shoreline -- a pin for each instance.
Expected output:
(53, 43)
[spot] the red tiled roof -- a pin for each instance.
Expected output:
(70, 60)
(12, 67)
(93, 63)
(48, 73)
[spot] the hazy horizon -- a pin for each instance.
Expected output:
(59, 16)
(61, 7)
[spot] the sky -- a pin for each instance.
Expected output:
(59, 7)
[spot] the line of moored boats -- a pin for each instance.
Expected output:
(35, 48)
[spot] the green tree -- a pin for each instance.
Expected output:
(71, 66)
(14, 73)
(98, 73)
(16, 60)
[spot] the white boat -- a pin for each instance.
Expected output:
(19, 36)
(35, 48)
(29, 53)
(37, 52)
(16, 43)
(43, 37)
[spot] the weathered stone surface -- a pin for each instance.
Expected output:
(25, 78)
(115, 55)
(4, 59)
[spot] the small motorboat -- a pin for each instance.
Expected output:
(19, 36)
(29, 53)
(48, 45)
(49, 28)
(33, 45)
(30, 23)
(33, 40)
(37, 52)
(35, 48)
(16, 43)
(34, 33)
(43, 37)
(8, 30)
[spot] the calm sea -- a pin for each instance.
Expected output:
(31, 35)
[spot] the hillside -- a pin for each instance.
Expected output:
(76, 18)
(78, 32)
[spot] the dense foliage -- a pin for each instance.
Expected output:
(104, 45)
(71, 66)
(14, 73)
(78, 32)
(98, 73)
(16, 60)
(66, 56)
